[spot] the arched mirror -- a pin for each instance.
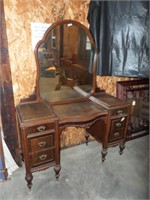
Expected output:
(66, 60)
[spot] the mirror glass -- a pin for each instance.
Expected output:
(65, 59)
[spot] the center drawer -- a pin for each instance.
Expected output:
(41, 143)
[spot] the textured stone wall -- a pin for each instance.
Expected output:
(19, 14)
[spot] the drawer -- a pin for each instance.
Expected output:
(40, 143)
(118, 123)
(40, 128)
(116, 135)
(119, 111)
(42, 157)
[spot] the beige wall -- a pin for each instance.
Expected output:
(18, 15)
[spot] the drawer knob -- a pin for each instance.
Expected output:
(43, 157)
(119, 112)
(42, 144)
(118, 125)
(116, 134)
(41, 128)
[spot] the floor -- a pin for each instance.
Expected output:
(85, 177)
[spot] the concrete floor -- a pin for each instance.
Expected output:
(85, 177)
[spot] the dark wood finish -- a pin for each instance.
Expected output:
(41, 123)
(123, 88)
(8, 117)
(39, 135)
(115, 125)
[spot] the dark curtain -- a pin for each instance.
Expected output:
(121, 33)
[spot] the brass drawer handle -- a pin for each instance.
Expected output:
(119, 112)
(41, 128)
(42, 144)
(116, 134)
(43, 157)
(118, 125)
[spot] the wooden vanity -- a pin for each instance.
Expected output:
(66, 95)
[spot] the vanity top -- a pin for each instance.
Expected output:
(30, 113)
(79, 111)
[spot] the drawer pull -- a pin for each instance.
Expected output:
(42, 144)
(41, 128)
(43, 157)
(118, 125)
(119, 112)
(116, 134)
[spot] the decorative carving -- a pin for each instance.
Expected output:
(88, 124)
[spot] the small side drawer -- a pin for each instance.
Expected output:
(42, 157)
(118, 123)
(40, 143)
(116, 135)
(119, 111)
(40, 128)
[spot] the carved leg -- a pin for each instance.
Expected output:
(87, 135)
(29, 178)
(104, 153)
(57, 169)
(121, 146)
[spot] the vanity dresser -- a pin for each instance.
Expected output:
(66, 95)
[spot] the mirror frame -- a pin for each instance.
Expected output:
(37, 88)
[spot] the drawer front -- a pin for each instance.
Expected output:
(118, 123)
(41, 143)
(116, 135)
(117, 129)
(40, 128)
(119, 111)
(42, 157)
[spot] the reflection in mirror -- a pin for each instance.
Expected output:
(66, 60)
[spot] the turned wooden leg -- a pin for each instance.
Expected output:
(87, 135)
(104, 153)
(121, 146)
(29, 178)
(57, 169)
